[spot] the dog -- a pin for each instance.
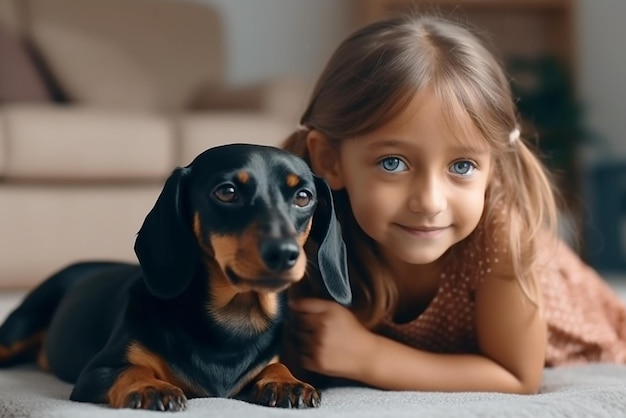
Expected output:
(201, 315)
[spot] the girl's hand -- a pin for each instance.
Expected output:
(329, 338)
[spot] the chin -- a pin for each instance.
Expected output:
(419, 257)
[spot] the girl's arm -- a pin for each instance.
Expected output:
(510, 332)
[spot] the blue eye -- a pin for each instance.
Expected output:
(393, 164)
(462, 168)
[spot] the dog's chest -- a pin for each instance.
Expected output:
(221, 369)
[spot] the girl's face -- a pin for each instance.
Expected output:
(413, 189)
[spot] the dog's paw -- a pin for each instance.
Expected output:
(293, 394)
(166, 398)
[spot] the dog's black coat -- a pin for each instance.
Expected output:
(103, 324)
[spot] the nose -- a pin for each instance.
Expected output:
(428, 197)
(279, 254)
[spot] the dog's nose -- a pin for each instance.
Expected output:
(279, 254)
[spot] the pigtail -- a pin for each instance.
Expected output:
(521, 214)
(537, 210)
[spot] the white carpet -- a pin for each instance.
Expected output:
(584, 391)
(597, 390)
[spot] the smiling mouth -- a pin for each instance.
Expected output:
(425, 231)
(261, 284)
(428, 228)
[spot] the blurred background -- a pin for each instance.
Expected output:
(100, 99)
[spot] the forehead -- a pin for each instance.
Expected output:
(280, 165)
(428, 117)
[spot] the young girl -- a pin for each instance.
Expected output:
(449, 220)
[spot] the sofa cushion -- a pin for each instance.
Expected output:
(67, 223)
(85, 144)
(20, 80)
(199, 131)
(151, 54)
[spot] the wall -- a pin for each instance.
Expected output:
(273, 38)
(602, 84)
(602, 78)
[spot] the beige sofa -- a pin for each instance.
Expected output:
(113, 96)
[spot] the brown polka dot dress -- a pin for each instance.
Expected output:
(586, 318)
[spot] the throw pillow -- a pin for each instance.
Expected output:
(20, 80)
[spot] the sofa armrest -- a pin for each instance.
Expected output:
(283, 98)
(84, 144)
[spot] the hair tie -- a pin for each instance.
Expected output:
(302, 128)
(514, 136)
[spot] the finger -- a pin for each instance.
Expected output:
(303, 324)
(298, 325)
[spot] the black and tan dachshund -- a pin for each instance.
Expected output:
(202, 314)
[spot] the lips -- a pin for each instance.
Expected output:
(427, 228)
(424, 230)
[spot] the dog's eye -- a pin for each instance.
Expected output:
(303, 198)
(226, 193)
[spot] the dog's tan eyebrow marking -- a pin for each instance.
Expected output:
(243, 176)
(293, 180)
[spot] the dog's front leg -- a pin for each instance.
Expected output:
(130, 378)
(138, 388)
(276, 386)
(135, 387)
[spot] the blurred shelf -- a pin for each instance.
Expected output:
(515, 27)
(375, 6)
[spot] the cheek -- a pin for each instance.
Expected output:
(373, 206)
(469, 209)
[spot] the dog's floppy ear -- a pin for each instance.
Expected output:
(165, 246)
(331, 256)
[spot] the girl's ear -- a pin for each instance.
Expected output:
(325, 160)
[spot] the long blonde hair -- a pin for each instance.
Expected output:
(371, 78)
